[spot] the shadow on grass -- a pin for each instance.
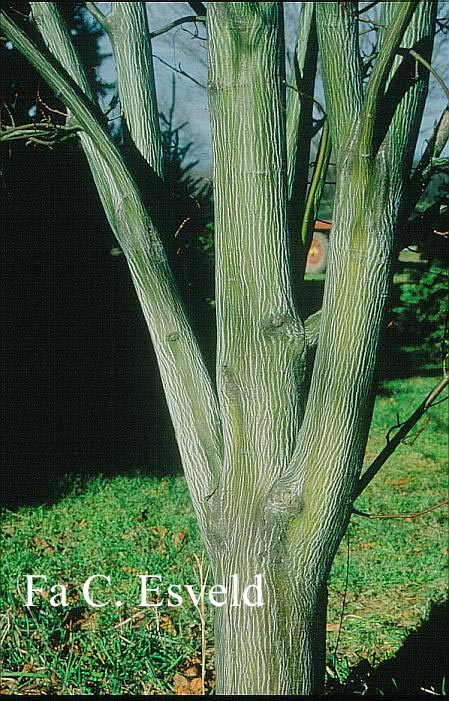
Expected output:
(419, 668)
(396, 362)
(423, 660)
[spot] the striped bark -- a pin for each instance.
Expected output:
(285, 492)
(127, 26)
(272, 467)
(188, 388)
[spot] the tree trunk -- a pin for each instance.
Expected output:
(276, 648)
(271, 468)
(285, 491)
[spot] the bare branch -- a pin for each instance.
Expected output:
(392, 444)
(176, 23)
(404, 516)
(198, 8)
(339, 47)
(98, 15)
(180, 71)
(376, 85)
(367, 8)
(357, 15)
(43, 132)
(429, 67)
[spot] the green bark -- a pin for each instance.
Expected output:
(127, 26)
(272, 472)
(188, 388)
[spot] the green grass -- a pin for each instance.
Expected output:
(397, 567)
(126, 526)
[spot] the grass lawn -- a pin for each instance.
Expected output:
(395, 578)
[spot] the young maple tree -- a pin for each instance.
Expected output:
(272, 458)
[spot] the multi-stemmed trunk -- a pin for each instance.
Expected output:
(272, 464)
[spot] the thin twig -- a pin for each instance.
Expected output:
(367, 8)
(413, 515)
(343, 606)
(303, 94)
(426, 64)
(356, 15)
(201, 611)
(392, 444)
(131, 618)
(42, 132)
(180, 71)
(176, 23)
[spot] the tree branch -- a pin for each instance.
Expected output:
(326, 463)
(188, 388)
(424, 170)
(198, 8)
(177, 23)
(392, 444)
(341, 64)
(257, 327)
(299, 133)
(312, 329)
(44, 132)
(379, 76)
(135, 80)
(299, 106)
(433, 150)
(102, 19)
(405, 516)
(403, 103)
(316, 187)
(429, 67)
(181, 72)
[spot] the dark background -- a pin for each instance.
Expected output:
(80, 387)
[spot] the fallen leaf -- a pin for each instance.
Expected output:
(180, 683)
(54, 678)
(28, 667)
(166, 623)
(7, 685)
(193, 671)
(8, 528)
(400, 483)
(196, 686)
(332, 627)
(42, 544)
(159, 530)
(179, 539)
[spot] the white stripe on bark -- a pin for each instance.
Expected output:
(190, 396)
(130, 36)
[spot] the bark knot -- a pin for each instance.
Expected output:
(283, 500)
